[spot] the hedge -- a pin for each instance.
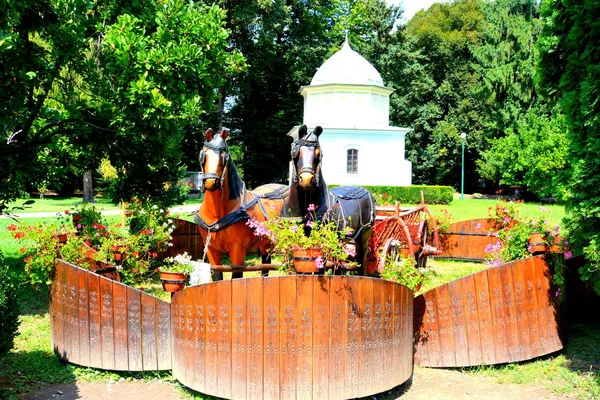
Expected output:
(386, 195)
(9, 310)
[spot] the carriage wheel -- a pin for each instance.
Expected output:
(391, 249)
(422, 257)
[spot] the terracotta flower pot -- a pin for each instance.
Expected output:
(372, 266)
(537, 243)
(62, 237)
(172, 281)
(305, 259)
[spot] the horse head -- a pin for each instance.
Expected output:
(214, 160)
(306, 158)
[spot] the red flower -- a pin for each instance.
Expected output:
(19, 235)
(12, 227)
(22, 250)
(66, 212)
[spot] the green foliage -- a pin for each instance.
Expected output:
(181, 263)
(90, 80)
(96, 240)
(533, 154)
(9, 309)
(387, 195)
(569, 72)
(514, 231)
(403, 270)
(287, 234)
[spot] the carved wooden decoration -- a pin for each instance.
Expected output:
(100, 323)
(293, 337)
(498, 315)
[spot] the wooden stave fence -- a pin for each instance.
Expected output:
(293, 336)
(100, 323)
(499, 315)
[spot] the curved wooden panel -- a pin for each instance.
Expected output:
(467, 240)
(503, 314)
(293, 337)
(100, 323)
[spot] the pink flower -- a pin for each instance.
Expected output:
(319, 262)
(568, 255)
(350, 250)
(312, 207)
(310, 224)
(78, 226)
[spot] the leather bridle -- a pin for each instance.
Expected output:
(316, 170)
(223, 151)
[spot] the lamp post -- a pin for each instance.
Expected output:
(462, 174)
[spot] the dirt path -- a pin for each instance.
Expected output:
(426, 384)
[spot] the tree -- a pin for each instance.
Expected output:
(569, 71)
(532, 154)
(115, 79)
(505, 59)
(430, 66)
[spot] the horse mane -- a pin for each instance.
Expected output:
(236, 184)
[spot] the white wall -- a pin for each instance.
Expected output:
(380, 157)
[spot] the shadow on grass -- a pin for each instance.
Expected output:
(582, 349)
(23, 372)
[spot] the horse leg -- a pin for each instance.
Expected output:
(362, 246)
(214, 258)
(237, 255)
(266, 259)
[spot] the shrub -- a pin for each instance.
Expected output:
(387, 195)
(9, 310)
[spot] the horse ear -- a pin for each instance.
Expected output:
(318, 130)
(302, 131)
(209, 134)
(224, 134)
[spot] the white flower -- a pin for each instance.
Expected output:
(155, 206)
(170, 244)
(162, 211)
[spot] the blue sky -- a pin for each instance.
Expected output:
(412, 6)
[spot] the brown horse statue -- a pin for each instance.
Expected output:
(228, 205)
(348, 206)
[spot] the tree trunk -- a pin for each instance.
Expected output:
(88, 190)
(221, 109)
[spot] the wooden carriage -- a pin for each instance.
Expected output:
(403, 231)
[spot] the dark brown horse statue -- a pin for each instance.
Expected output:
(228, 205)
(348, 206)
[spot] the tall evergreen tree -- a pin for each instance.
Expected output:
(569, 71)
(505, 59)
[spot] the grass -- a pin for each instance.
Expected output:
(32, 363)
(466, 209)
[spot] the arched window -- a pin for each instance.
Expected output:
(352, 161)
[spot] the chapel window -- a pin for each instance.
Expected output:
(352, 161)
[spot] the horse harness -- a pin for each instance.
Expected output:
(242, 212)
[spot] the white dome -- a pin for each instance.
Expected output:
(347, 67)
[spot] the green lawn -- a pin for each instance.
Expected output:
(466, 209)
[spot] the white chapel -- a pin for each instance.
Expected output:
(348, 99)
